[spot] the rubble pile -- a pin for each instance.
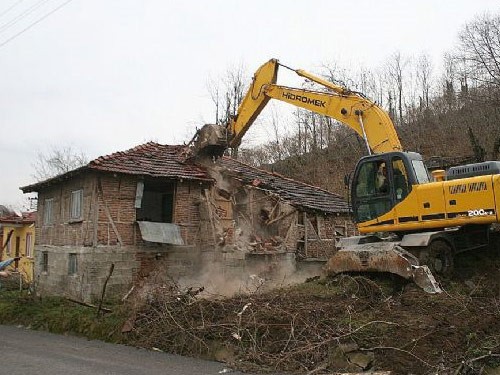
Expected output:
(245, 218)
(348, 324)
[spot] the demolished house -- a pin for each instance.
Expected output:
(152, 205)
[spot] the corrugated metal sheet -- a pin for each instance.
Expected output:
(160, 232)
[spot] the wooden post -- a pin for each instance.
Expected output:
(305, 232)
(111, 269)
(95, 206)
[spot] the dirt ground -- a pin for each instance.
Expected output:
(352, 323)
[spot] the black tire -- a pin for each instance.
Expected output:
(440, 258)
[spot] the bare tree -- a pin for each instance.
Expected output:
(480, 48)
(56, 161)
(396, 72)
(277, 133)
(448, 80)
(227, 93)
(424, 75)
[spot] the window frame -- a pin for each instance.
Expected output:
(421, 172)
(76, 205)
(369, 201)
(48, 211)
(28, 252)
(45, 262)
(72, 264)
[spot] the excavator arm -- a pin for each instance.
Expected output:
(352, 109)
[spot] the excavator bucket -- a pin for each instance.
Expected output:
(211, 140)
(382, 257)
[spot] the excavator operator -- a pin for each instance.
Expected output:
(381, 179)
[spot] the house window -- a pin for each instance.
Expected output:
(9, 246)
(29, 245)
(76, 204)
(155, 201)
(48, 206)
(72, 264)
(45, 261)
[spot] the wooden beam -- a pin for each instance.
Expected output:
(108, 214)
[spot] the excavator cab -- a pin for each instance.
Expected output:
(381, 181)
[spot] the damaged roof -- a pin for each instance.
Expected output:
(149, 159)
(296, 193)
(152, 159)
(169, 161)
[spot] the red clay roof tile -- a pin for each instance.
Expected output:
(25, 218)
(157, 160)
(150, 159)
(297, 193)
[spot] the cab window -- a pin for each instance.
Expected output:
(371, 191)
(400, 179)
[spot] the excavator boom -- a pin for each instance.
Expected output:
(352, 109)
(363, 116)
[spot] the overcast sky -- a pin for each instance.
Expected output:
(105, 76)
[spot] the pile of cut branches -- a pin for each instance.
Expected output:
(349, 324)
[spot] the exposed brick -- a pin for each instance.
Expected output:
(109, 214)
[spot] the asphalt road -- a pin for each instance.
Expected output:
(26, 352)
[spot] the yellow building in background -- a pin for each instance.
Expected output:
(18, 240)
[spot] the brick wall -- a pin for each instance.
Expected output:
(63, 231)
(109, 217)
(329, 228)
(187, 201)
(116, 215)
(108, 200)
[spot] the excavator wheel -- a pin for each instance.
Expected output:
(439, 258)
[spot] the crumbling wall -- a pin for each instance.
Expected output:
(265, 223)
(247, 217)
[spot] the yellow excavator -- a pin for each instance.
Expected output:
(410, 222)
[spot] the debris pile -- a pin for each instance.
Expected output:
(255, 211)
(349, 324)
(269, 244)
